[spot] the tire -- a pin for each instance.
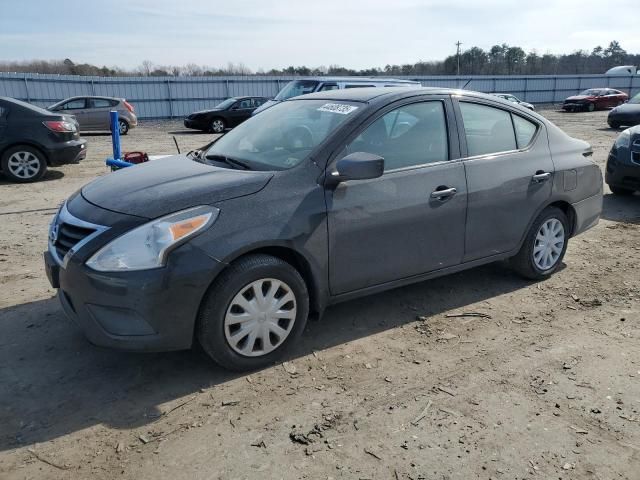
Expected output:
(614, 125)
(218, 125)
(23, 164)
(525, 262)
(620, 191)
(221, 337)
(591, 107)
(123, 126)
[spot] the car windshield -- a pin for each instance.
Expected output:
(591, 92)
(282, 136)
(226, 103)
(635, 99)
(296, 88)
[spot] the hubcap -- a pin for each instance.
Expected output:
(217, 126)
(260, 317)
(549, 244)
(24, 164)
(123, 127)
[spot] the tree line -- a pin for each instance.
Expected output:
(498, 60)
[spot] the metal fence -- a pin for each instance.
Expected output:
(170, 97)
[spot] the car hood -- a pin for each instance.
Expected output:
(627, 108)
(578, 97)
(208, 111)
(170, 184)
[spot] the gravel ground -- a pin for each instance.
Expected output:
(544, 384)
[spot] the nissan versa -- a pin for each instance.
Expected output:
(319, 199)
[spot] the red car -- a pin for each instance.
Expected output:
(595, 99)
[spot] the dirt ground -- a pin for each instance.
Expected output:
(545, 383)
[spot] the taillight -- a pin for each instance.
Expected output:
(60, 126)
(128, 105)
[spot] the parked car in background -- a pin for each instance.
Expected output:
(317, 200)
(304, 86)
(627, 114)
(623, 164)
(31, 139)
(92, 113)
(513, 99)
(227, 114)
(623, 70)
(595, 99)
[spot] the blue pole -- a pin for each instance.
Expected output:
(115, 135)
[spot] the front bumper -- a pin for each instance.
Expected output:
(151, 310)
(574, 106)
(72, 151)
(195, 124)
(623, 167)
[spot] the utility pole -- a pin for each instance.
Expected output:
(458, 43)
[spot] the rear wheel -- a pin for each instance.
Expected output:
(545, 245)
(23, 164)
(123, 127)
(217, 125)
(620, 191)
(253, 312)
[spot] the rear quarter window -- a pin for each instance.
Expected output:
(525, 131)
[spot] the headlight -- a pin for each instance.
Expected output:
(147, 246)
(624, 139)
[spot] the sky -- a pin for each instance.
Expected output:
(265, 34)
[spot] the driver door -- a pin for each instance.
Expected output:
(78, 108)
(397, 226)
(240, 112)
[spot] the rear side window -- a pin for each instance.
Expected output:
(487, 129)
(525, 130)
(358, 85)
(101, 103)
(328, 86)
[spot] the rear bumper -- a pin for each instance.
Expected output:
(68, 152)
(588, 213)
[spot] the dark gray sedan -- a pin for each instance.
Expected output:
(319, 199)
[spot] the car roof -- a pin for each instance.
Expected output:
(25, 105)
(90, 96)
(244, 97)
(370, 93)
(358, 79)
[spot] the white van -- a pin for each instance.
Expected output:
(306, 85)
(623, 70)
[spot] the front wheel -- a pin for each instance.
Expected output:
(218, 125)
(591, 107)
(253, 312)
(545, 245)
(23, 164)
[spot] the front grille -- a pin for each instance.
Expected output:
(69, 236)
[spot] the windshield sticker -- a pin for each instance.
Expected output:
(340, 108)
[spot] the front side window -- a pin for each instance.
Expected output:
(246, 103)
(284, 135)
(487, 129)
(297, 88)
(410, 135)
(76, 104)
(358, 85)
(328, 86)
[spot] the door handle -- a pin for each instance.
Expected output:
(444, 193)
(541, 176)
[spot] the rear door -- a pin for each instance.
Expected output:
(396, 226)
(4, 112)
(98, 113)
(509, 175)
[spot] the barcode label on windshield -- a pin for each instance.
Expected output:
(340, 108)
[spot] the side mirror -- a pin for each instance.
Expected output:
(357, 166)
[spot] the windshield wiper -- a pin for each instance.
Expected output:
(229, 161)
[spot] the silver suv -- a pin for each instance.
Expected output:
(92, 113)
